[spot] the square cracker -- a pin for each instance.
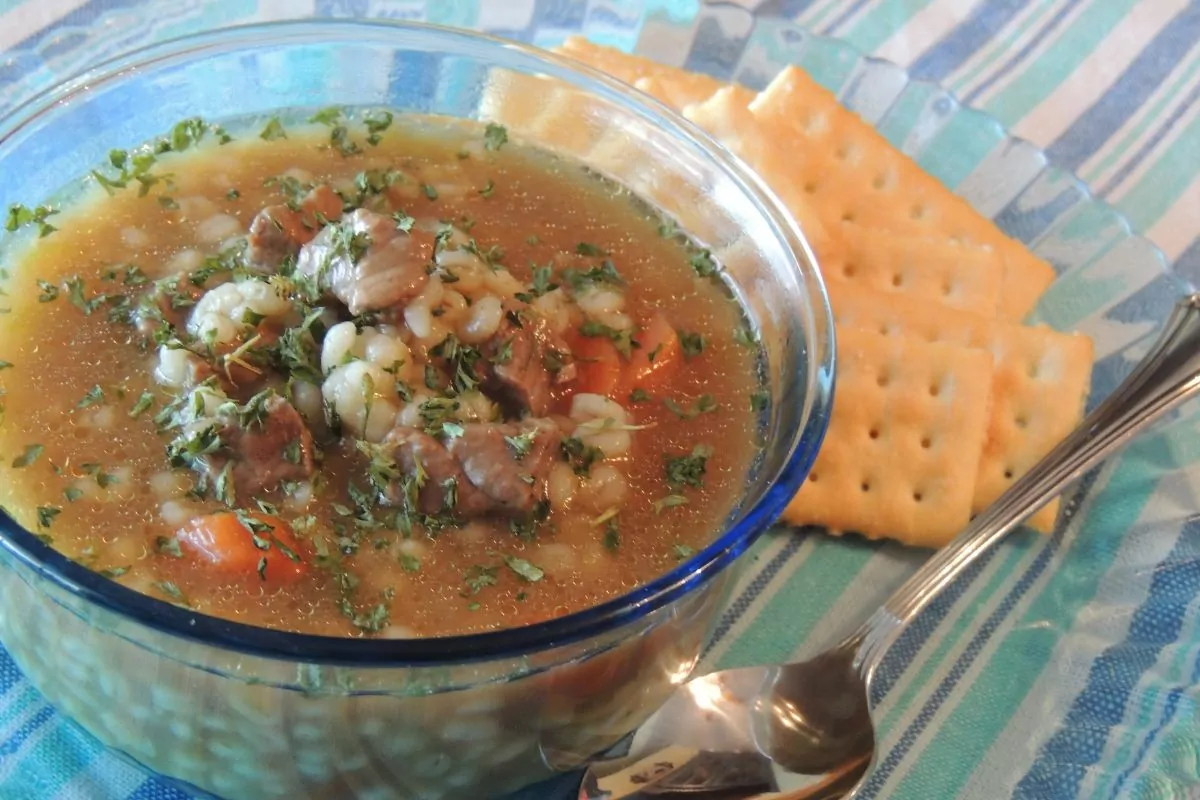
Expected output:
(938, 270)
(854, 174)
(905, 436)
(1039, 385)
(726, 116)
(673, 82)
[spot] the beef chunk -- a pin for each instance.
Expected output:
(492, 468)
(167, 302)
(527, 360)
(367, 262)
(278, 232)
(263, 452)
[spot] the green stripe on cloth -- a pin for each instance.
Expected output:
(881, 22)
(999, 49)
(993, 695)
(1056, 64)
(1162, 184)
(922, 679)
(799, 604)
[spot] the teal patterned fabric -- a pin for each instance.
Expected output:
(1063, 667)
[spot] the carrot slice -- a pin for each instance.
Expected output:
(655, 362)
(598, 365)
(234, 544)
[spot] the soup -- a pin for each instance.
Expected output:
(366, 375)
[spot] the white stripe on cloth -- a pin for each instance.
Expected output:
(28, 18)
(1175, 230)
(1128, 139)
(285, 9)
(984, 656)
(1100, 623)
(1096, 73)
(926, 28)
(103, 777)
(1002, 43)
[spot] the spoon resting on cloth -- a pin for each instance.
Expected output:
(806, 727)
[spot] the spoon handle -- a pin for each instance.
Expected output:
(1165, 377)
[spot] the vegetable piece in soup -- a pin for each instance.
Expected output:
(403, 380)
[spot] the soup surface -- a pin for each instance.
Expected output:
(383, 376)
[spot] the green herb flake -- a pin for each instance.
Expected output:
(524, 569)
(19, 216)
(488, 189)
(581, 457)
(46, 515)
(639, 395)
(49, 291)
(410, 563)
(744, 336)
(168, 546)
(72, 493)
(688, 470)
(683, 551)
(172, 591)
(112, 573)
(233, 194)
(404, 222)
(479, 577)
(142, 405)
(167, 203)
(520, 444)
(494, 136)
(670, 501)
(589, 249)
(612, 536)
(94, 396)
(273, 130)
(692, 343)
(31, 454)
(759, 400)
(704, 265)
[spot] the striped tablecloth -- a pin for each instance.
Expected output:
(1109, 89)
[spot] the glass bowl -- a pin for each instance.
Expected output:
(238, 711)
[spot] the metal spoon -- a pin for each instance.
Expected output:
(806, 727)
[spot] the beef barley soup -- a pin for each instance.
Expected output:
(379, 375)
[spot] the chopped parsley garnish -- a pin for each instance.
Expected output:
(273, 130)
(168, 546)
(524, 569)
(670, 501)
(759, 400)
(376, 123)
(479, 577)
(589, 249)
(452, 430)
(461, 359)
(327, 116)
(494, 136)
(581, 457)
(744, 336)
(72, 493)
(135, 167)
(167, 203)
(31, 454)
(232, 194)
(429, 191)
(19, 216)
(374, 619)
(142, 405)
(520, 444)
(704, 404)
(692, 343)
(704, 265)
(612, 536)
(688, 470)
(46, 515)
(94, 396)
(503, 352)
(488, 189)
(667, 229)
(112, 573)
(639, 395)
(605, 273)
(622, 339)
(683, 551)
(410, 563)
(526, 529)
(404, 222)
(170, 590)
(49, 291)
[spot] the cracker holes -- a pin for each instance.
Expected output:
(1035, 370)
(926, 442)
(883, 379)
(812, 477)
(810, 187)
(885, 329)
(918, 496)
(935, 389)
(898, 280)
(873, 433)
(918, 211)
(948, 289)
(880, 181)
(865, 486)
(1021, 421)
(848, 216)
(1009, 473)
(848, 270)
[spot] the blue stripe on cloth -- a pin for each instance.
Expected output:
(1038, 38)
(965, 40)
(738, 608)
(852, 9)
(1095, 126)
(1187, 265)
(10, 676)
(13, 743)
(1079, 743)
(154, 789)
(1164, 130)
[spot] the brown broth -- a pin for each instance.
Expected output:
(59, 354)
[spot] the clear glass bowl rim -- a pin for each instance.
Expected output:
(686, 577)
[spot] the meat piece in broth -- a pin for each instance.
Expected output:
(278, 232)
(264, 452)
(527, 361)
(490, 468)
(367, 262)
